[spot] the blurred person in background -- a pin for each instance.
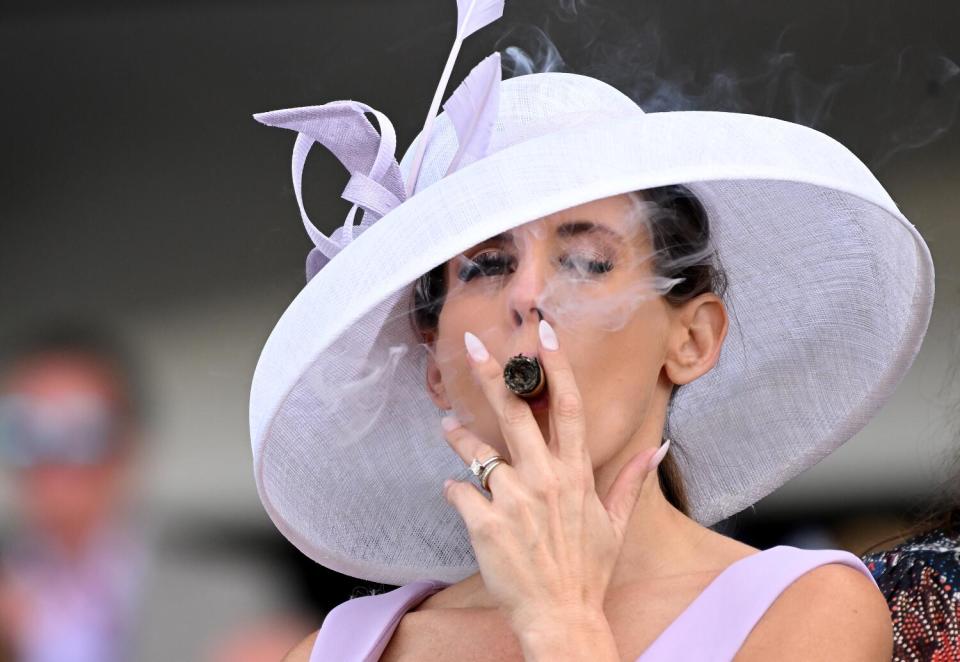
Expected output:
(70, 569)
(919, 578)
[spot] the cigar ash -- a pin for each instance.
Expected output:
(524, 376)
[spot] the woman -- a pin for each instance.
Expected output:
(554, 219)
(919, 579)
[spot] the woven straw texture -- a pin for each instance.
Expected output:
(830, 293)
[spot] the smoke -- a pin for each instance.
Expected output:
(594, 270)
(337, 397)
(570, 9)
(928, 85)
(540, 56)
(585, 281)
(591, 286)
(893, 99)
(590, 279)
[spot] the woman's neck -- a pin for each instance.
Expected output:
(660, 540)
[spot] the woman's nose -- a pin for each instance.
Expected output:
(525, 292)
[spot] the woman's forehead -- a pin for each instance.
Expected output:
(616, 218)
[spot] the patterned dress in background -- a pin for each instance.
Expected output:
(921, 581)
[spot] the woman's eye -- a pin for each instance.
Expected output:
(486, 264)
(586, 265)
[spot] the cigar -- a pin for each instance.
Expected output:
(524, 376)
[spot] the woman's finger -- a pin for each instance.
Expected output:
(470, 447)
(566, 404)
(520, 429)
(473, 507)
(622, 497)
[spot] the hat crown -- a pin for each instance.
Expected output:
(530, 106)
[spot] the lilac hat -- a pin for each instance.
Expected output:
(830, 285)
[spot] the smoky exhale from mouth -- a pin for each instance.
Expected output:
(581, 274)
(590, 271)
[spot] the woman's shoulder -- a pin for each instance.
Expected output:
(302, 651)
(911, 564)
(360, 622)
(832, 611)
(918, 579)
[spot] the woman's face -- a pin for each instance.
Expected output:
(588, 271)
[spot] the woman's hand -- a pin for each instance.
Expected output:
(546, 544)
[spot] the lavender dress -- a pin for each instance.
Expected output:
(712, 628)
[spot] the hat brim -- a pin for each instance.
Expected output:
(792, 212)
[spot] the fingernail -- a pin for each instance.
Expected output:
(446, 486)
(658, 457)
(548, 337)
(476, 349)
(450, 423)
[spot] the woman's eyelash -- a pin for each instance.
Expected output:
(589, 265)
(485, 264)
(497, 264)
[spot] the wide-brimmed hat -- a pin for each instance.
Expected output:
(830, 291)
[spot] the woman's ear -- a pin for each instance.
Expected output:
(434, 378)
(699, 327)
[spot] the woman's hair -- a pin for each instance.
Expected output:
(941, 514)
(680, 229)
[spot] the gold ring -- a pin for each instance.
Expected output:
(488, 468)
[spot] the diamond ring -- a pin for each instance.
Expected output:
(482, 470)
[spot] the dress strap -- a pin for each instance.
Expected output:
(360, 629)
(720, 619)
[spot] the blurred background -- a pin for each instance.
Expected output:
(148, 223)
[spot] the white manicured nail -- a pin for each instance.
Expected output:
(658, 458)
(450, 423)
(476, 349)
(548, 337)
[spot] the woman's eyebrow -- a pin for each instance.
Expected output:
(564, 230)
(497, 239)
(574, 228)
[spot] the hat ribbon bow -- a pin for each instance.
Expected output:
(375, 185)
